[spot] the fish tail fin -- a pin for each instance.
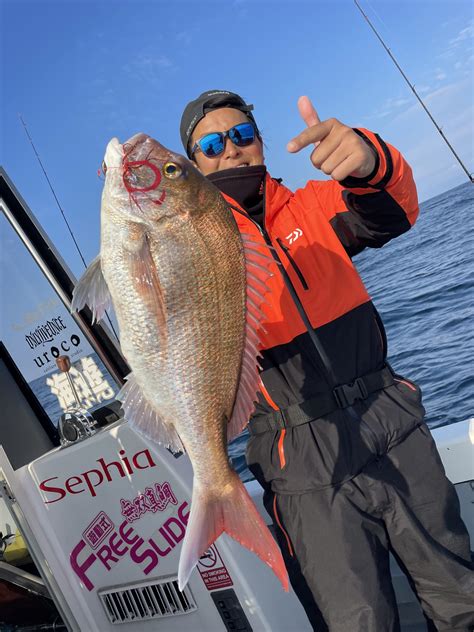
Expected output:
(236, 515)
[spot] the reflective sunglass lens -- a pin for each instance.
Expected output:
(212, 145)
(243, 134)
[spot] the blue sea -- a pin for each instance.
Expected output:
(422, 284)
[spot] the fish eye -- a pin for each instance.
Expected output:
(172, 170)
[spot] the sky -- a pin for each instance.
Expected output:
(80, 73)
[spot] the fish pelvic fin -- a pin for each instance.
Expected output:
(143, 417)
(259, 265)
(92, 290)
(236, 515)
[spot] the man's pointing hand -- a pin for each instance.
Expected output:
(339, 151)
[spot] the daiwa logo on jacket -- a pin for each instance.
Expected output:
(293, 236)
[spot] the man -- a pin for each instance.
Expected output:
(338, 442)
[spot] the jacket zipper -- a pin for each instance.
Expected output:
(286, 250)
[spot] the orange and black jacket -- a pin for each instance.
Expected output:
(314, 233)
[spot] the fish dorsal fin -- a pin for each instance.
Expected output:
(258, 271)
(143, 417)
(92, 290)
(146, 280)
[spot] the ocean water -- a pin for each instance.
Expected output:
(422, 284)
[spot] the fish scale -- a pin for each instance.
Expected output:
(208, 344)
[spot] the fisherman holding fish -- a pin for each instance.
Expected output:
(337, 438)
(237, 299)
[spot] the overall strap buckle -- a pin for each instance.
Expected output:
(347, 394)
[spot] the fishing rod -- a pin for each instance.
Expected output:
(60, 208)
(412, 88)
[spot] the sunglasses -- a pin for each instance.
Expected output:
(213, 144)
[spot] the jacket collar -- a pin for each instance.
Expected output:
(276, 196)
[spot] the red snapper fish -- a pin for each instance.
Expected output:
(187, 290)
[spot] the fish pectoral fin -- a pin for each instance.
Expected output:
(258, 270)
(92, 290)
(146, 280)
(143, 417)
(233, 513)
